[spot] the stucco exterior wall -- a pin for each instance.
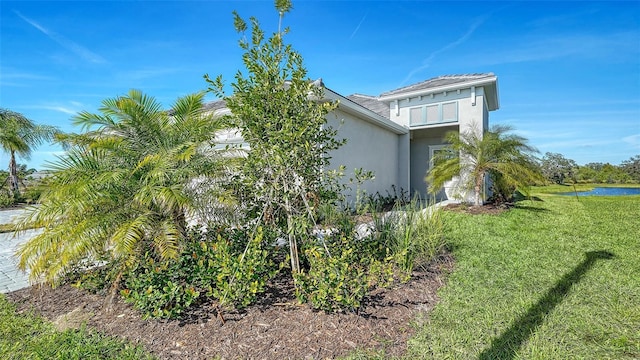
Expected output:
(421, 142)
(371, 148)
(471, 108)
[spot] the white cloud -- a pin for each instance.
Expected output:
(614, 47)
(633, 140)
(429, 59)
(358, 27)
(68, 44)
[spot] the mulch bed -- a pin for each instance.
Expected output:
(275, 328)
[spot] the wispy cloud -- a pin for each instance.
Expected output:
(358, 27)
(4, 75)
(429, 59)
(61, 109)
(614, 47)
(633, 140)
(68, 44)
(148, 73)
(576, 143)
(69, 108)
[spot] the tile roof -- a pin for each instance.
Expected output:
(437, 82)
(372, 103)
(215, 105)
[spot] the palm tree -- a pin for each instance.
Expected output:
(18, 136)
(123, 188)
(507, 158)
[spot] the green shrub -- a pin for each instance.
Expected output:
(159, 290)
(242, 275)
(343, 266)
(331, 283)
(340, 268)
(6, 199)
(226, 265)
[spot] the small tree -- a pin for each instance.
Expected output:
(281, 115)
(495, 152)
(18, 136)
(555, 167)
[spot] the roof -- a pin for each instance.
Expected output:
(215, 105)
(372, 103)
(438, 82)
(488, 81)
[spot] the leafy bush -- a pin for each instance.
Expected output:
(242, 275)
(226, 265)
(5, 199)
(331, 283)
(347, 262)
(342, 267)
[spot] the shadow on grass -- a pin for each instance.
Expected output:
(531, 208)
(506, 346)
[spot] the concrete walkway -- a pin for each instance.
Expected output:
(11, 278)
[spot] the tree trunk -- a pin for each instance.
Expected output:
(13, 176)
(293, 247)
(478, 187)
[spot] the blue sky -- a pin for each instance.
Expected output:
(568, 72)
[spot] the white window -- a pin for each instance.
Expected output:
(436, 149)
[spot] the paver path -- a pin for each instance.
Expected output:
(10, 277)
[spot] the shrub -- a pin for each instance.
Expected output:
(6, 199)
(226, 265)
(341, 267)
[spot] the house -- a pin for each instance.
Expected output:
(396, 133)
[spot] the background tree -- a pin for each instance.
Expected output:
(632, 167)
(19, 136)
(122, 189)
(603, 173)
(556, 168)
(282, 117)
(473, 155)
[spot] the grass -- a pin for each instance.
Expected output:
(27, 336)
(552, 279)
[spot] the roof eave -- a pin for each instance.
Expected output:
(489, 80)
(368, 115)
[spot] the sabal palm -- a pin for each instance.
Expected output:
(473, 155)
(18, 136)
(122, 189)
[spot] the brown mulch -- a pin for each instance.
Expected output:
(275, 328)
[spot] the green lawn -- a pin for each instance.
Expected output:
(31, 337)
(554, 279)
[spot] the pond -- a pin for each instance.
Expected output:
(607, 191)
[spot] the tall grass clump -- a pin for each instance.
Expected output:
(414, 233)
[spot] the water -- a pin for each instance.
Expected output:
(607, 191)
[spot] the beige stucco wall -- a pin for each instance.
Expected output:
(472, 113)
(371, 148)
(421, 141)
